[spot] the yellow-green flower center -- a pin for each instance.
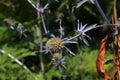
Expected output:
(54, 44)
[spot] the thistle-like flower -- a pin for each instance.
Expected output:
(57, 44)
(58, 60)
(54, 44)
(81, 32)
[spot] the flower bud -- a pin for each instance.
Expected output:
(57, 56)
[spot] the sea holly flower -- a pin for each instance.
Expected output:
(58, 60)
(54, 44)
(57, 44)
(81, 31)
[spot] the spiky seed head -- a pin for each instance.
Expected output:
(54, 44)
(57, 56)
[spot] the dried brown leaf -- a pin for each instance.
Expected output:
(101, 58)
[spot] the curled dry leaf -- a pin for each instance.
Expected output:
(100, 59)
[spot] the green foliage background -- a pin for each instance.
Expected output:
(80, 67)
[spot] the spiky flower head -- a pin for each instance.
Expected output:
(58, 60)
(54, 44)
(57, 44)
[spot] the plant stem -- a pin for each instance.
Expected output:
(40, 40)
(103, 15)
(74, 37)
(43, 23)
(38, 8)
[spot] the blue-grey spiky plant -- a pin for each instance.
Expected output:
(57, 44)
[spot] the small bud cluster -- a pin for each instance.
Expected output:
(19, 27)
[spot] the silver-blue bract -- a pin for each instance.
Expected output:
(81, 31)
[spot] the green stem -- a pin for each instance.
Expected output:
(40, 40)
